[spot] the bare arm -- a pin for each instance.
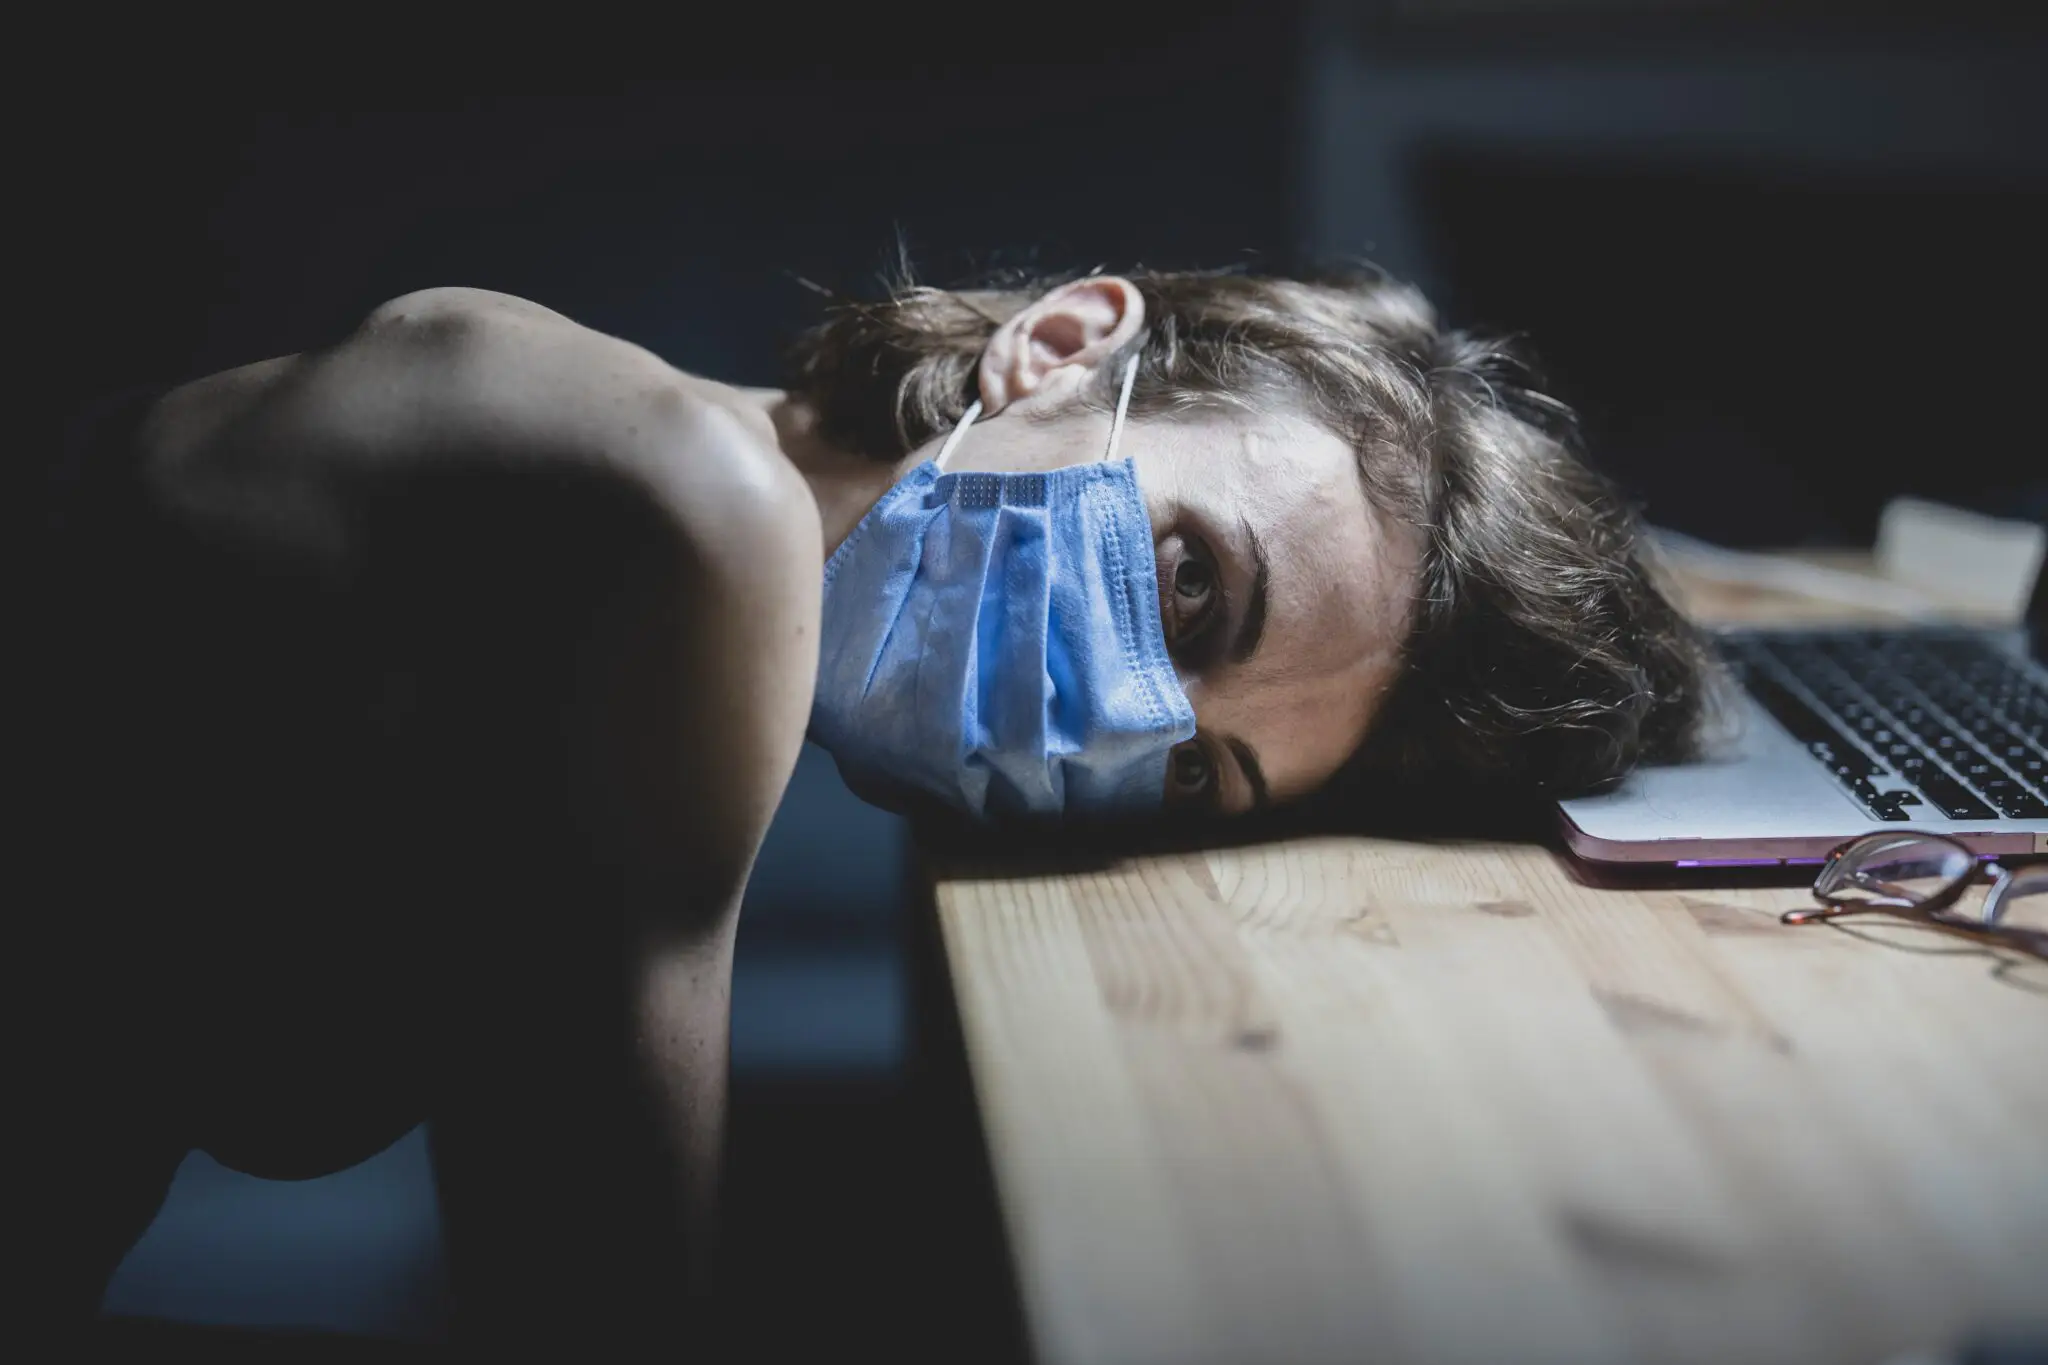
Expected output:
(487, 456)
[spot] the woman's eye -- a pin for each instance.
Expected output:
(1190, 772)
(1194, 597)
(1193, 602)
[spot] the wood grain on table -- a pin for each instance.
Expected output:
(1346, 1098)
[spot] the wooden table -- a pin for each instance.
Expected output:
(1345, 1098)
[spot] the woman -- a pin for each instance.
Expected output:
(427, 697)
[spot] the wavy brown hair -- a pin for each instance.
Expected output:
(1542, 651)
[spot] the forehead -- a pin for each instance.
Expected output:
(1340, 575)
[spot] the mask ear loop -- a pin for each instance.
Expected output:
(953, 437)
(1116, 425)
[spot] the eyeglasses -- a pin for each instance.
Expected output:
(1928, 874)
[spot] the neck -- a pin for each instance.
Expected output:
(845, 485)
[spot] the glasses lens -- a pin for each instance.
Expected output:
(2023, 902)
(1893, 869)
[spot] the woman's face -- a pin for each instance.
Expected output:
(1285, 592)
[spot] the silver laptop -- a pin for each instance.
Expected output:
(1843, 732)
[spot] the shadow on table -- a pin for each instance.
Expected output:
(954, 845)
(2014, 962)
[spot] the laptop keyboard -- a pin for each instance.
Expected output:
(1916, 725)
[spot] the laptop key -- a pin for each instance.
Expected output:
(2015, 800)
(1887, 806)
(1949, 796)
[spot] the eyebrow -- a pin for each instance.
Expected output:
(1251, 627)
(1248, 760)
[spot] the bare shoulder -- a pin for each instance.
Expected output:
(470, 378)
(570, 457)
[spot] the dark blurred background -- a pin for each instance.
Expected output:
(1784, 259)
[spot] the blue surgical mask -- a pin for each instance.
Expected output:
(994, 640)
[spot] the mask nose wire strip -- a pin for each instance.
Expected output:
(953, 437)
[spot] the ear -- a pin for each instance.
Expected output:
(1053, 345)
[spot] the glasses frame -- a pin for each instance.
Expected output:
(1937, 907)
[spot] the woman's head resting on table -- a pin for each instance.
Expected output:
(1376, 552)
